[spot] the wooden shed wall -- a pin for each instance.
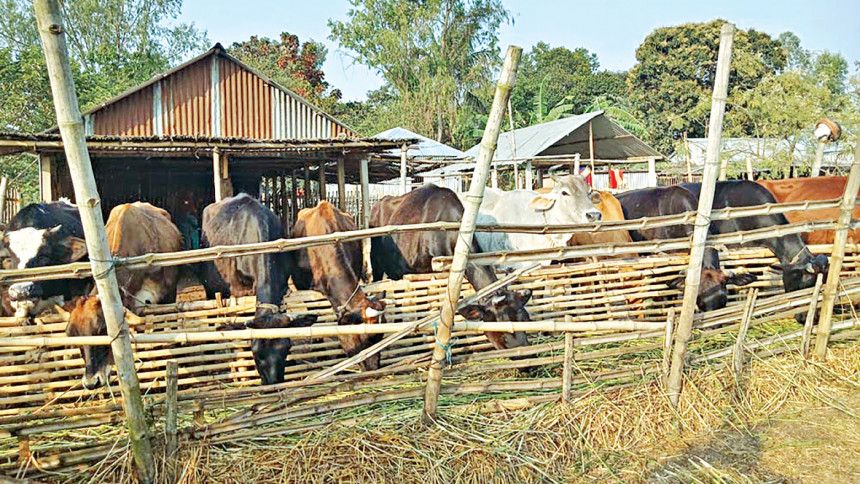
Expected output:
(213, 97)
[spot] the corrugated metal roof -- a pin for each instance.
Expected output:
(570, 136)
(425, 148)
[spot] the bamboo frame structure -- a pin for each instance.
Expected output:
(684, 327)
(467, 228)
(70, 121)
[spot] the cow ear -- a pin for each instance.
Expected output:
(472, 312)
(77, 246)
(523, 296)
(741, 279)
(541, 203)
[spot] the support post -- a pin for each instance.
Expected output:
(306, 185)
(71, 126)
(819, 159)
(294, 198)
(687, 159)
(4, 184)
(576, 164)
(667, 346)
(467, 228)
(831, 287)
(46, 188)
(738, 350)
(341, 184)
(567, 371)
(364, 178)
(403, 170)
(706, 199)
(322, 182)
(810, 317)
(530, 182)
(170, 408)
(652, 172)
(591, 152)
(539, 183)
(750, 171)
(221, 174)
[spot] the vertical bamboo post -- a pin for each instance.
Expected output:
(306, 185)
(403, 169)
(831, 287)
(341, 184)
(4, 184)
(71, 126)
(567, 371)
(170, 407)
(322, 181)
(738, 350)
(575, 168)
(467, 228)
(364, 176)
(591, 152)
(810, 317)
(216, 173)
(294, 197)
(819, 158)
(539, 182)
(667, 345)
(706, 199)
(750, 171)
(687, 159)
(652, 172)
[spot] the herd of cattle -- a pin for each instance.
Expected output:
(51, 233)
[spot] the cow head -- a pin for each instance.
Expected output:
(270, 355)
(802, 274)
(87, 319)
(569, 201)
(365, 310)
(31, 247)
(503, 305)
(713, 287)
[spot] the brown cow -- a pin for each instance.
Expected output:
(132, 229)
(811, 189)
(610, 209)
(335, 270)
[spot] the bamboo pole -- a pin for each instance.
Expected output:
(706, 200)
(667, 346)
(404, 171)
(738, 353)
(810, 317)
(591, 152)
(170, 408)
(464, 239)
(294, 200)
(567, 370)
(819, 158)
(4, 182)
(364, 175)
(322, 181)
(71, 126)
(306, 184)
(750, 171)
(837, 256)
(217, 175)
(687, 159)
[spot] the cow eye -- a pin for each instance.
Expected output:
(565, 193)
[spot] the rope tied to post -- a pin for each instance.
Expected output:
(447, 347)
(112, 263)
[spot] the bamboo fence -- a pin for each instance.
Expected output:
(41, 397)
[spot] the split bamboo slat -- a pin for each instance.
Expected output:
(40, 391)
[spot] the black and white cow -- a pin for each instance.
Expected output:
(44, 234)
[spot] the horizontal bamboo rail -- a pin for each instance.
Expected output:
(326, 330)
(82, 269)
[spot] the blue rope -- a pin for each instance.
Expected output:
(447, 348)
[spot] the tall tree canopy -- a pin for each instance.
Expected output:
(113, 44)
(295, 65)
(431, 53)
(672, 82)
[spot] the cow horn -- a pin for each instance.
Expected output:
(371, 313)
(552, 175)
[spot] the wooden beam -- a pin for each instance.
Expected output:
(404, 171)
(294, 199)
(831, 286)
(306, 185)
(652, 172)
(364, 175)
(703, 222)
(4, 185)
(341, 184)
(70, 121)
(322, 181)
(467, 229)
(46, 191)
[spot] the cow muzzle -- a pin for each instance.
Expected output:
(98, 379)
(593, 216)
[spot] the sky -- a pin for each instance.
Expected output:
(612, 30)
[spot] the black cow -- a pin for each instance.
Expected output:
(243, 220)
(799, 267)
(652, 202)
(417, 250)
(385, 257)
(45, 234)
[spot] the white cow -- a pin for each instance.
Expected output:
(570, 201)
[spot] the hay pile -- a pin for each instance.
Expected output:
(787, 420)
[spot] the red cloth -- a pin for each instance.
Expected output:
(586, 173)
(616, 178)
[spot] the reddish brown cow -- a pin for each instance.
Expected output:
(335, 270)
(810, 189)
(132, 229)
(610, 210)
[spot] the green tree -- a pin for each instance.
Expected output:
(431, 54)
(113, 45)
(672, 82)
(297, 66)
